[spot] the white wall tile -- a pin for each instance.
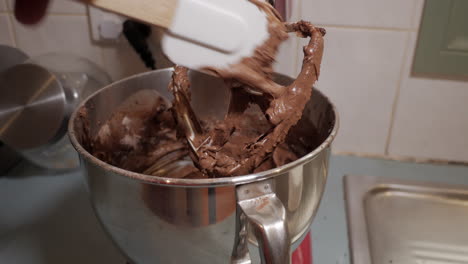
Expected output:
(121, 61)
(6, 36)
(418, 11)
(67, 6)
(360, 73)
(286, 58)
(431, 119)
(3, 6)
(59, 6)
(58, 33)
(366, 13)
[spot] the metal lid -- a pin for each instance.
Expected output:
(32, 107)
(10, 56)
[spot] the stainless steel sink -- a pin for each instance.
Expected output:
(405, 222)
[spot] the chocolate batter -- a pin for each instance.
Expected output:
(244, 141)
(138, 134)
(145, 135)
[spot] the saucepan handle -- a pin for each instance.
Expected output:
(258, 205)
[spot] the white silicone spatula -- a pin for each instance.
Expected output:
(201, 33)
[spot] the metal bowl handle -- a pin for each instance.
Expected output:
(259, 206)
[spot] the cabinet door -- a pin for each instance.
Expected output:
(443, 39)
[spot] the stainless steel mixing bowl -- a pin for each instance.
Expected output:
(166, 220)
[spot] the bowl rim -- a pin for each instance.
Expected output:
(210, 182)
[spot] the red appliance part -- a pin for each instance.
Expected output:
(303, 254)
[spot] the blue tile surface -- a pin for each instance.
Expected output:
(45, 217)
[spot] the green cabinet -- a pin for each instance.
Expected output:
(442, 47)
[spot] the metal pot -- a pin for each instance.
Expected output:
(166, 220)
(37, 98)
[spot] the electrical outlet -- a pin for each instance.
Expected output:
(105, 26)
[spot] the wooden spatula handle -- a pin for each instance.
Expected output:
(155, 12)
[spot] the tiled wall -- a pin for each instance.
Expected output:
(66, 29)
(366, 72)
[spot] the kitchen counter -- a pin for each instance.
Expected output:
(45, 216)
